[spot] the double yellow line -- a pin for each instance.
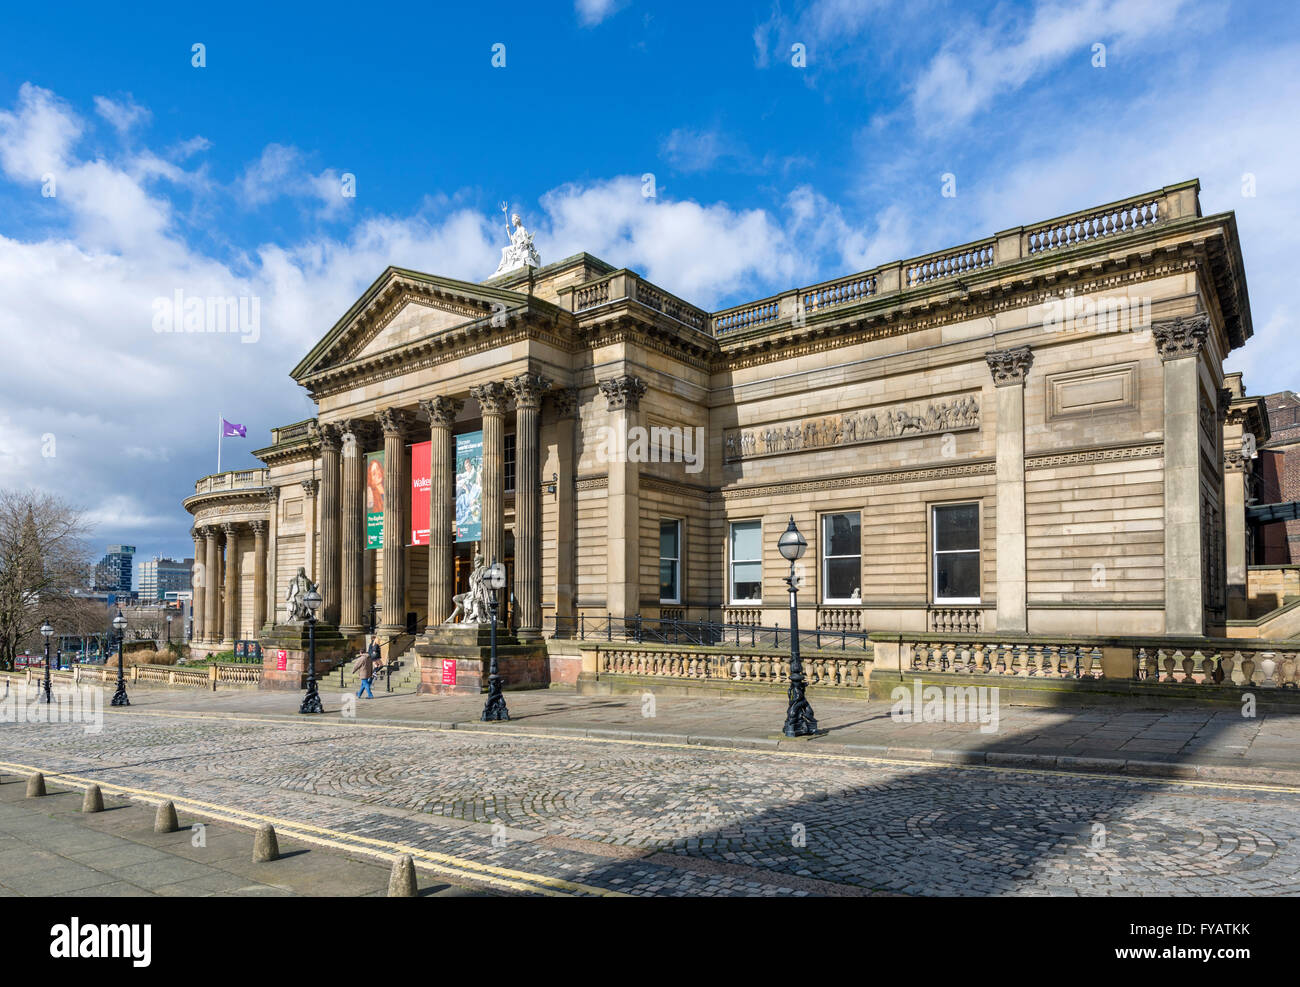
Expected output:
(441, 864)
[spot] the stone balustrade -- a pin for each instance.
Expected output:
(234, 480)
(1128, 216)
(1205, 662)
(845, 671)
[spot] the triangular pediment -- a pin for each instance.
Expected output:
(401, 308)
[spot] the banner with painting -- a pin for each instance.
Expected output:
(469, 486)
(375, 500)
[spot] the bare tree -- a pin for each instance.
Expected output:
(44, 556)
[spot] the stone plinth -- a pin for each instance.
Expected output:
(292, 639)
(522, 665)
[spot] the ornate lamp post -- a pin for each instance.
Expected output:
(46, 631)
(495, 707)
(119, 627)
(799, 718)
(169, 630)
(311, 702)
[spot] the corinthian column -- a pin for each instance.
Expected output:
(198, 586)
(393, 422)
(353, 536)
(1009, 368)
(328, 437)
(259, 576)
(1180, 343)
(231, 630)
(493, 398)
(211, 630)
(528, 390)
(442, 412)
(623, 499)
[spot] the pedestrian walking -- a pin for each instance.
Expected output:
(365, 666)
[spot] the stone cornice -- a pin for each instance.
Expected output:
(245, 498)
(898, 316)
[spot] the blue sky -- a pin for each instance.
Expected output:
(225, 179)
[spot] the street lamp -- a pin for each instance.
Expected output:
(169, 630)
(495, 707)
(46, 631)
(119, 626)
(799, 718)
(311, 702)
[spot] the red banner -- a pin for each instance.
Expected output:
(420, 464)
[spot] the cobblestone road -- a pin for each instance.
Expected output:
(669, 819)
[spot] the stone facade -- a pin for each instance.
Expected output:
(1026, 433)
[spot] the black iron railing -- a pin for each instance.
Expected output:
(700, 633)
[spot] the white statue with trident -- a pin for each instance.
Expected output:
(521, 251)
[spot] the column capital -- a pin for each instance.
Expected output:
(493, 397)
(272, 496)
(259, 526)
(1235, 461)
(209, 531)
(565, 401)
(528, 389)
(1010, 366)
(231, 528)
(441, 411)
(310, 487)
(1181, 337)
(623, 392)
(393, 421)
(196, 533)
(326, 434)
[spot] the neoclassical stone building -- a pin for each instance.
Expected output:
(1025, 433)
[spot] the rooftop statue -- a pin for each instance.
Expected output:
(521, 251)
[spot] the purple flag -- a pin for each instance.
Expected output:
(229, 428)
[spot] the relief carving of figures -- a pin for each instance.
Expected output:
(853, 427)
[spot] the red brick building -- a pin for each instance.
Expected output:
(1279, 479)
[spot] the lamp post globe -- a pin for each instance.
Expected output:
(495, 707)
(119, 628)
(311, 702)
(46, 631)
(799, 718)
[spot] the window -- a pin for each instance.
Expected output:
(956, 553)
(509, 462)
(670, 561)
(842, 558)
(747, 562)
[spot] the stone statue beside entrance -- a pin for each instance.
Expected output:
(521, 251)
(296, 596)
(472, 607)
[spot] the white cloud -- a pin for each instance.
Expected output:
(122, 114)
(592, 12)
(981, 64)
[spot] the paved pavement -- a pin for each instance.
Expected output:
(1217, 744)
(513, 808)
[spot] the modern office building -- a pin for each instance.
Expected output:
(160, 576)
(113, 572)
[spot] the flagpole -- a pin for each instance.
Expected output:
(220, 433)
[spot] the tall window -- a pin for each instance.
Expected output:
(842, 558)
(956, 553)
(509, 461)
(670, 561)
(747, 562)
